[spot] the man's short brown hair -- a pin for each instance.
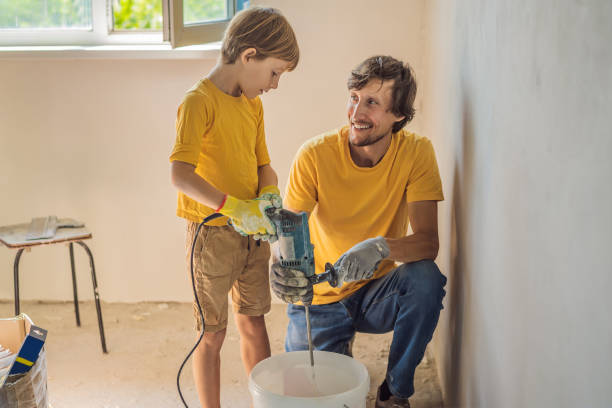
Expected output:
(264, 29)
(404, 88)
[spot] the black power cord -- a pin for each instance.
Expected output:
(195, 293)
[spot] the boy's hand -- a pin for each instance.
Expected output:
(248, 216)
(271, 193)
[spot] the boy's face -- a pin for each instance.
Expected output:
(259, 76)
(369, 112)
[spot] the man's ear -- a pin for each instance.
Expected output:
(399, 119)
(247, 55)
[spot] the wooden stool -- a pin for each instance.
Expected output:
(13, 236)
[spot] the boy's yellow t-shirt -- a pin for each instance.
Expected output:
(223, 136)
(348, 204)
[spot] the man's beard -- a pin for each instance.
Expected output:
(369, 141)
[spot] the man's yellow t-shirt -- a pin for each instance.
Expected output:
(223, 136)
(348, 203)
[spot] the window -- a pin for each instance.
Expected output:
(192, 20)
(101, 22)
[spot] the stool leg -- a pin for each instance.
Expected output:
(74, 287)
(96, 295)
(16, 279)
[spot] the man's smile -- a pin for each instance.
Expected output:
(360, 126)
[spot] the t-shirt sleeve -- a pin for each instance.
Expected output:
(424, 182)
(261, 149)
(192, 122)
(301, 194)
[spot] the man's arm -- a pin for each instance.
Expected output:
(423, 242)
(185, 179)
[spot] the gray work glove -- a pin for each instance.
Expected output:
(360, 262)
(290, 285)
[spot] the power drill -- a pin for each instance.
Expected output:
(296, 252)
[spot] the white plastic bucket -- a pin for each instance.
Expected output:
(288, 381)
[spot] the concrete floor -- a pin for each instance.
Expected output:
(147, 343)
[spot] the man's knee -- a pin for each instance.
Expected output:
(423, 278)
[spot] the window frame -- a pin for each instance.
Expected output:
(180, 35)
(102, 33)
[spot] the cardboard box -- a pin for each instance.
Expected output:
(26, 384)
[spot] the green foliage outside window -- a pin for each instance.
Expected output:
(45, 14)
(147, 14)
(137, 14)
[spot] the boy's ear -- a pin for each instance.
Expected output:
(248, 54)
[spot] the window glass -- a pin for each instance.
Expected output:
(44, 14)
(203, 11)
(137, 15)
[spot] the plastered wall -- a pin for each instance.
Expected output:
(518, 104)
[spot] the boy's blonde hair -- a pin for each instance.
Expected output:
(264, 29)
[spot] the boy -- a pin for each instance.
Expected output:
(220, 163)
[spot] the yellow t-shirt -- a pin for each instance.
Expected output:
(348, 204)
(223, 136)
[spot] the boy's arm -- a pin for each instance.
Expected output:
(247, 215)
(267, 177)
(185, 179)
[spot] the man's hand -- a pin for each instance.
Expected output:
(360, 262)
(290, 285)
(249, 216)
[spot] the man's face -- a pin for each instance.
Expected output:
(369, 112)
(260, 76)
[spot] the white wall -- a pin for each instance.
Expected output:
(90, 138)
(519, 102)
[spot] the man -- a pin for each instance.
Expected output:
(362, 185)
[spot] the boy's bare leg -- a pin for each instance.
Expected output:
(207, 369)
(254, 342)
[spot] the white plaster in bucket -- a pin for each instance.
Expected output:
(287, 380)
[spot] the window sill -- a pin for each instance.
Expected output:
(152, 51)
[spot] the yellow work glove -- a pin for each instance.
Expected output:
(272, 194)
(248, 216)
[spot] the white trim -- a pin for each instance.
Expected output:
(157, 51)
(70, 37)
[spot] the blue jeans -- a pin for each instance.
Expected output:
(406, 301)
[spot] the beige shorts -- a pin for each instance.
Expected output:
(224, 260)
